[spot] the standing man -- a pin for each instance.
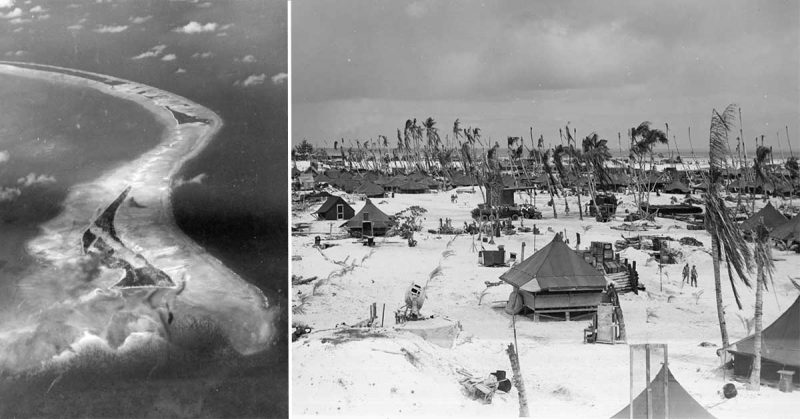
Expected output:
(694, 276)
(686, 273)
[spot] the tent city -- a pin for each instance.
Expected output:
(546, 210)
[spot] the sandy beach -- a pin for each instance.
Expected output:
(342, 371)
(81, 310)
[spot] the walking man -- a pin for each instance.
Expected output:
(686, 274)
(694, 275)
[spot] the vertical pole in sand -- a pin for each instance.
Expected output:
(522, 253)
(666, 383)
(630, 393)
(647, 380)
(383, 313)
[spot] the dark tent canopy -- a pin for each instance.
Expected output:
(379, 219)
(676, 186)
(328, 210)
(681, 404)
(555, 267)
(369, 189)
(772, 218)
(780, 344)
(789, 230)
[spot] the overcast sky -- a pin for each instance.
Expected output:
(361, 68)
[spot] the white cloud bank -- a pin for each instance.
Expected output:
(279, 78)
(32, 179)
(196, 27)
(111, 29)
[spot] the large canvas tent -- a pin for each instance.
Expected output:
(680, 403)
(780, 347)
(555, 279)
(370, 220)
(772, 218)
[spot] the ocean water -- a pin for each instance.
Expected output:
(53, 136)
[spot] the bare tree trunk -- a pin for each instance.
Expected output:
(755, 375)
(723, 328)
(513, 356)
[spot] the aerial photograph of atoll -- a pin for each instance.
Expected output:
(143, 208)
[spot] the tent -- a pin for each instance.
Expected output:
(369, 189)
(780, 347)
(331, 209)
(555, 267)
(411, 186)
(772, 218)
(379, 221)
(681, 404)
(789, 230)
(556, 279)
(676, 186)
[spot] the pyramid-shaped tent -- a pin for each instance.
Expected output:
(789, 230)
(680, 403)
(379, 219)
(329, 210)
(780, 341)
(555, 267)
(369, 189)
(772, 218)
(676, 186)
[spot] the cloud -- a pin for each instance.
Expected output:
(248, 59)
(222, 34)
(4, 156)
(204, 4)
(12, 14)
(18, 20)
(32, 179)
(279, 78)
(207, 54)
(110, 29)
(180, 71)
(9, 194)
(5, 4)
(17, 53)
(75, 27)
(37, 9)
(139, 20)
(251, 80)
(152, 52)
(169, 57)
(195, 27)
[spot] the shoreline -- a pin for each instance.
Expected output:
(213, 291)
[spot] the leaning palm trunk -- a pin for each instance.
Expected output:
(723, 327)
(726, 236)
(763, 258)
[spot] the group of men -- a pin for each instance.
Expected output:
(687, 274)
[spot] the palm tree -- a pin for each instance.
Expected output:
(596, 154)
(551, 181)
(726, 236)
(558, 155)
(643, 140)
(762, 176)
(763, 259)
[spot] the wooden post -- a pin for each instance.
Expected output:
(513, 356)
(647, 381)
(666, 383)
(383, 313)
(630, 406)
(522, 253)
